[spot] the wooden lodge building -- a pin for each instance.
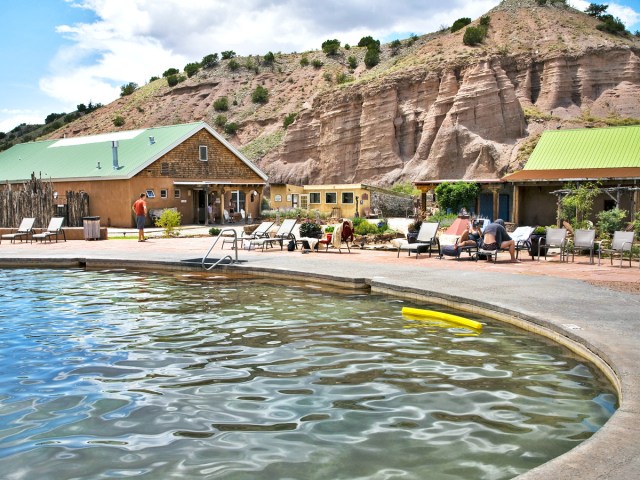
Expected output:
(185, 167)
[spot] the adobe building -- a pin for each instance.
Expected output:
(185, 167)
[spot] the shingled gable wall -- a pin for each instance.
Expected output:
(112, 199)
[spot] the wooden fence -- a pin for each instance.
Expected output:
(36, 199)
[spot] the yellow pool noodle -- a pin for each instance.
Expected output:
(447, 317)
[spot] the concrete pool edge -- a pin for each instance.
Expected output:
(610, 453)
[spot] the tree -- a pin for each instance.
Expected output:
(118, 121)
(395, 47)
(269, 58)
(170, 71)
(353, 62)
(460, 23)
(577, 205)
(289, 119)
(81, 107)
(330, 47)
(53, 116)
(611, 25)
(128, 89)
(260, 95)
(231, 128)
(473, 36)
(191, 69)
(454, 196)
(228, 54)
(595, 10)
(209, 61)
(369, 42)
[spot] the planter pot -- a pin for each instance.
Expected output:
(329, 236)
(535, 241)
(412, 237)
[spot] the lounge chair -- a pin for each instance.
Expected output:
(261, 232)
(522, 238)
(622, 242)
(427, 237)
(227, 217)
(583, 240)
(285, 232)
(53, 230)
(341, 234)
(24, 231)
(555, 238)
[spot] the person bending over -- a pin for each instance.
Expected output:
(495, 237)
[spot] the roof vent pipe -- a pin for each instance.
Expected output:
(152, 140)
(114, 150)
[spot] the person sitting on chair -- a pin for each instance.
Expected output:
(495, 237)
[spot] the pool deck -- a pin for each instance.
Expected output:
(547, 297)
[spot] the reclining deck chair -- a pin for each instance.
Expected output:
(583, 240)
(427, 237)
(555, 238)
(622, 242)
(285, 232)
(25, 230)
(261, 232)
(53, 230)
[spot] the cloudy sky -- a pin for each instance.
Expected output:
(66, 52)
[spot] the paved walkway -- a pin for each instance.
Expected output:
(548, 297)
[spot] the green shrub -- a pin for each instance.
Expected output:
(231, 128)
(473, 36)
(396, 45)
(170, 71)
(191, 69)
(233, 65)
(220, 121)
(289, 119)
(460, 23)
(371, 58)
(327, 76)
(485, 21)
(169, 221)
(128, 89)
(636, 224)
(366, 228)
(310, 229)
(610, 221)
(330, 47)
(221, 104)
(611, 25)
(269, 58)
(118, 121)
(213, 231)
(353, 62)
(304, 61)
(228, 54)
(260, 95)
(342, 78)
(454, 196)
(316, 63)
(370, 43)
(209, 61)
(172, 80)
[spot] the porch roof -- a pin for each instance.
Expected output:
(584, 174)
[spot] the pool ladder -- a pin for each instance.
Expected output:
(226, 257)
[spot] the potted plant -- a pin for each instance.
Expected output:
(328, 230)
(412, 230)
(310, 230)
(538, 234)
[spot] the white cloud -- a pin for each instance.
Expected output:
(11, 118)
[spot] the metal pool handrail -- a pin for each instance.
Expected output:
(235, 247)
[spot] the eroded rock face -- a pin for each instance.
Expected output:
(419, 125)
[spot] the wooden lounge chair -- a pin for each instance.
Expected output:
(24, 231)
(53, 230)
(622, 242)
(427, 238)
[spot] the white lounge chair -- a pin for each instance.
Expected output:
(53, 230)
(427, 238)
(24, 231)
(285, 232)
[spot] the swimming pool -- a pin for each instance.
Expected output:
(113, 374)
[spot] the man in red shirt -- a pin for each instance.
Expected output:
(140, 211)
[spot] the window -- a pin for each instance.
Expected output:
(164, 193)
(314, 197)
(330, 197)
(164, 168)
(204, 153)
(278, 198)
(347, 197)
(151, 194)
(176, 193)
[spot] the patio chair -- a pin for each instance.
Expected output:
(261, 232)
(583, 240)
(53, 230)
(555, 238)
(341, 234)
(227, 217)
(622, 242)
(24, 231)
(285, 232)
(427, 237)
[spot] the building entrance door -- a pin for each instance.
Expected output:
(304, 202)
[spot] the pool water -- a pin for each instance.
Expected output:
(121, 375)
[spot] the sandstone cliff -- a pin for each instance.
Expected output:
(435, 110)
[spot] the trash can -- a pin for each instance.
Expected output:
(91, 228)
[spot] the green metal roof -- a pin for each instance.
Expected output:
(615, 147)
(91, 157)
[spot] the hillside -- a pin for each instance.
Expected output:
(432, 108)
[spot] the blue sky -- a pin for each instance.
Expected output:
(57, 54)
